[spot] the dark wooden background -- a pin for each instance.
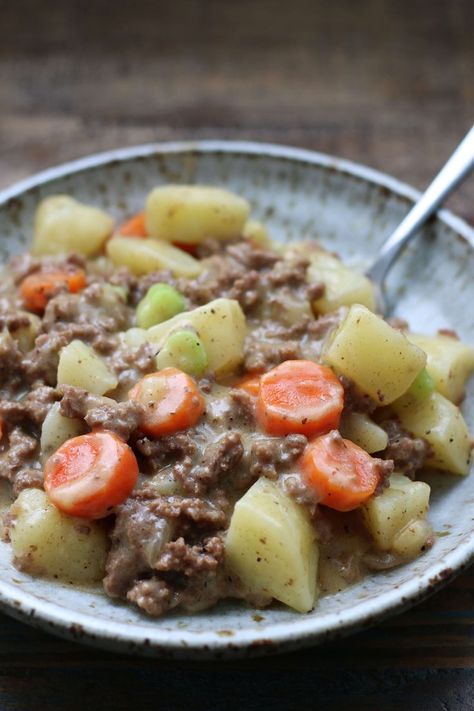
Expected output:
(387, 83)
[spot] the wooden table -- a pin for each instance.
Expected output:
(387, 83)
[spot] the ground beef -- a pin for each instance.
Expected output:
(246, 290)
(138, 537)
(252, 257)
(295, 486)
(19, 452)
(98, 310)
(200, 512)
(354, 399)
(243, 407)
(268, 456)
(188, 575)
(76, 402)
(11, 365)
(260, 356)
(130, 366)
(159, 453)
(289, 272)
(41, 364)
(155, 596)
(19, 460)
(179, 556)
(27, 478)
(323, 325)
(31, 410)
(219, 459)
(384, 468)
(408, 453)
(123, 418)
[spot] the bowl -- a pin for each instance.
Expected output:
(351, 209)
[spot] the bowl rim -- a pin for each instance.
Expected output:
(153, 640)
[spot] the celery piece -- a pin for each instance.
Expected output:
(184, 350)
(160, 303)
(422, 386)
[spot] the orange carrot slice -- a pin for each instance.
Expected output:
(38, 288)
(299, 396)
(134, 226)
(89, 475)
(343, 475)
(172, 400)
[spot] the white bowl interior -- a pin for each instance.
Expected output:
(296, 194)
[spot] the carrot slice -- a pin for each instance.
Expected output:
(172, 400)
(189, 248)
(38, 288)
(134, 226)
(343, 475)
(89, 475)
(251, 384)
(299, 396)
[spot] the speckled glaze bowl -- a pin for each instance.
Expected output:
(350, 209)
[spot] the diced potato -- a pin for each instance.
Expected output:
(257, 233)
(134, 337)
(220, 325)
(271, 546)
(193, 213)
(450, 362)
(143, 256)
(57, 429)
(344, 286)
(359, 428)
(63, 225)
(80, 365)
(412, 540)
(46, 542)
(441, 423)
(387, 514)
(376, 357)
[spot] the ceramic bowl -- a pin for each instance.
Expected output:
(350, 209)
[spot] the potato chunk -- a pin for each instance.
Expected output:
(376, 357)
(257, 233)
(441, 423)
(63, 225)
(57, 429)
(271, 545)
(359, 428)
(143, 256)
(80, 365)
(343, 286)
(396, 508)
(193, 213)
(46, 542)
(450, 362)
(221, 327)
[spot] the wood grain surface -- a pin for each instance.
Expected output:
(387, 83)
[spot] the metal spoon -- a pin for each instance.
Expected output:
(453, 172)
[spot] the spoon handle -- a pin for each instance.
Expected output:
(458, 166)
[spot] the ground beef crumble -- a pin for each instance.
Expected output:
(408, 453)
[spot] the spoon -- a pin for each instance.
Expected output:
(458, 167)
